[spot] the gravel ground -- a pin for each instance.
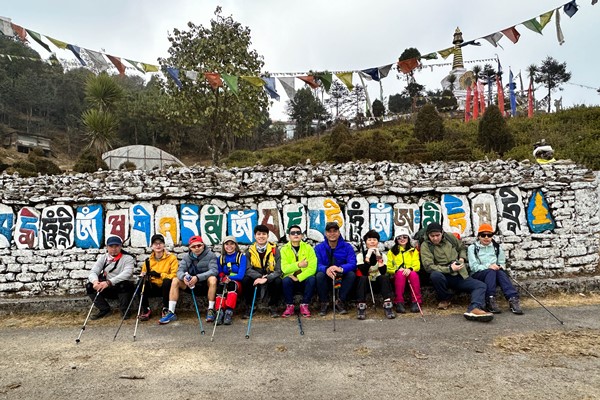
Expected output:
(516, 357)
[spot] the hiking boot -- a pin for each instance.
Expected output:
(323, 309)
(388, 309)
(289, 311)
(361, 311)
(170, 317)
(340, 308)
(164, 311)
(515, 305)
(100, 314)
(491, 305)
(145, 315)
(304, 311)
(414, 308)
(443, 305)
(400, 308)
(273, 312)
(228, 319)
(211, 315)
(220, 317)
(477, 314)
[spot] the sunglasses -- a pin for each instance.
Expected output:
(402, 237)
(486, 235)
(196, 246)
(295, 233)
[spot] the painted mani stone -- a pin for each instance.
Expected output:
(241, 225)
(407, 216)
(511, 210)
(294, 214)
(7, 218)
(89, 226)
(27, 228)
(382, 220)
(322, 210)
(539, 217)
(141, 218)
(483, 211)
(455, 213)
(212, 224)
(190, 221)
(57, 227)
(430, 212)
(268, 215)
(167, 223)
(357, 219)
(116, 224)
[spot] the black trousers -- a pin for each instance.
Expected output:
(152, 290)
(382, 281)
(122, 291)
(274, 289)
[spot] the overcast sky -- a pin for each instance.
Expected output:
(298, 36)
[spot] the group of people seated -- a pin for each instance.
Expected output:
(332, 268)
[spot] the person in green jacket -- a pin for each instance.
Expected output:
(298, 265)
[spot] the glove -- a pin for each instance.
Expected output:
(154, 274)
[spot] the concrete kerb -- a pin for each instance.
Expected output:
(61, 304)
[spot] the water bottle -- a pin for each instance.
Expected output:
(188, 278)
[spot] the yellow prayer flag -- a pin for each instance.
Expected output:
(58, 43)
(253, 80)
(346, 78)
(149, 67)
(446, 52)
(545, 18)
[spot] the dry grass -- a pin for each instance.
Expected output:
(573, 343)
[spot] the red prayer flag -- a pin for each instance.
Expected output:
(500, 95)
(407, 66)
(214, 79)
(310, 81)
(475, 102)
(530, 101)
(512, 34)
(20, 31)
(468, 105)
(481, 98)
(117, 63)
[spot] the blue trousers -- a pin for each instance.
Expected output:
(324, 283)
(441, 282)
(493, 279)
(307, 287)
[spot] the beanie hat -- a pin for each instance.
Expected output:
(372, 234)
(434, 227)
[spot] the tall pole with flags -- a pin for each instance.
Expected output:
(511, 90)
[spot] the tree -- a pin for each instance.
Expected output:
(378, 109)
(304, 108)
(218, 115)
(552, 74)
(429, 125)
(493, 133)
(443, 100)
(343, 103)
(399, 103)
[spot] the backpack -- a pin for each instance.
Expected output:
(238, 257)
(496, 249)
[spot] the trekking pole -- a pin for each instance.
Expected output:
(251, 313)
(371, 288)
(137, 320)
(219, 311)
(86, 319)
(333, 304)
(300, 324)
(137, 288)
(197, 312)
(415, 297)
(532, 296)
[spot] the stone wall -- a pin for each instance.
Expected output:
(570, 250)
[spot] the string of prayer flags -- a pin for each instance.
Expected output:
(97, 59)
(58, 43)
(77, 52)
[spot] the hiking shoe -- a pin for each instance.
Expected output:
(388, 309)
(400, 308)
(443, 305)
(491, 305)
(515, 305)
(273, 312)
(100, 314)
(170, 317)
(228, 319)
(477, 314)
(304, 311)
(323, 309)
(361, 311)
(145, 316)
(220, 317)
(289, 311)
(414, 308)
(211, 315)
(340, 308)
(164, 311)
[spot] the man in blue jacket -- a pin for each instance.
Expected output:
(334, 256)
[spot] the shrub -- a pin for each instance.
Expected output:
(429, 125)
(42, 164)
(375, 145)
(25, 168)
(241, 158)
(493, 133)
(128, 165)
(89, 162)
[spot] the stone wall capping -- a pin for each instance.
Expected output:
(452, 189)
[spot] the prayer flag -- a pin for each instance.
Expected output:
(97, 59)
(570, 8)
(468, 105)
(76, 50)
(270, 87)
(371, 74)
(534, 25)
(559, 34)
(38, 38)
(20, 32)
(117, 63)
(191, 75)
(135, 64)
(174, 74)
(545, 18)
(530, 101)
(444, 53)
(309, 80)
(288, 85)
(494, 38)
(385, 70)
(149, 67)
(58, 43)
(407, 66)
(231, 81)
(214, 79)
(513, 98)
(512, 34)
(325, 78)
(346, 78)
(475, 101)
(430, 56)
(253, 80)
(5, 27)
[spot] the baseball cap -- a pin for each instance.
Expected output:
(157, 237)
(332, 225)
(229, 239)
(114, 240)
(195, 240)
(434, 227)
(485, 228)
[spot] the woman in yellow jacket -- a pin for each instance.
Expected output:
(161, 268)
(403, 264)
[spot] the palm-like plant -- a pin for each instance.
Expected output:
(451, 82)
(101, 129)
(102, 92)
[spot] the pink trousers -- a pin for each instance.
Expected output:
(400, 284)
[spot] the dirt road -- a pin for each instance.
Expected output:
(514, 357)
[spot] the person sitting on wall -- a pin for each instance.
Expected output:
(298, 265)
(443, 256)
(543, 153)
(111, 278)
(403, 264)
(161, 268)
(232, 268)
(197, 271)
(264, 268)
(335, 259)
(487, 261)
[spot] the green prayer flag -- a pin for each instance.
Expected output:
(38, 38)
(325, 78)
(231, 81)
(430, 56)
(534, 25)
(135, 65)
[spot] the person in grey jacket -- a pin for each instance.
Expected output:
(111, 278)
(198, 272)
